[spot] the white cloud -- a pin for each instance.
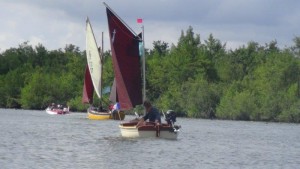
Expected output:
(34, 41)
(55, 23)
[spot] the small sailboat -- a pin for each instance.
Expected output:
(93, 79)
(128, 77)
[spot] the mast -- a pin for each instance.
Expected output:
(101, 60)
(144, 69)
(144, 66)
(102, 45)
(139, 20)
(298, 86)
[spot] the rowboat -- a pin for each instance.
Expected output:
(149, 129)
(130, 130)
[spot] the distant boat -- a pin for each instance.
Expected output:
(128, 78)
(93, 80)
(57, 110)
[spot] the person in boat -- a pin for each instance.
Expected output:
(52, 106)
(116, 108)
(152, 114)
(110, 106)
(59, 106)
(101, 109)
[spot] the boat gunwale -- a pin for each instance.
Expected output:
(147, 127)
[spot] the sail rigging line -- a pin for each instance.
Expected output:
(102, 47)
(144, 67)
(113, 36)
(101, 78)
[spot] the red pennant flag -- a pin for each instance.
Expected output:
(139, 20)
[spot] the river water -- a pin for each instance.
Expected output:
(33, 139)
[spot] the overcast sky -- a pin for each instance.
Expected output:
(55, 23)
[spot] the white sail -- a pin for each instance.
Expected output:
(93, 58)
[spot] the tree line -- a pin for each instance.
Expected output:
(196, 78)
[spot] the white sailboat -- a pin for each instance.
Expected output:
(93, 79)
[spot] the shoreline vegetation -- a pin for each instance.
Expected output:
(196, 78)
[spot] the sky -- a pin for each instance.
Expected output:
(56, 23)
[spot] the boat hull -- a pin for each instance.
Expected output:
(96, 115)
(148, 130)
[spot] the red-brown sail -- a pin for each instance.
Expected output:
(126, 62)
(88, 88)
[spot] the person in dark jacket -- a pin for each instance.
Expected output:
(152, 114)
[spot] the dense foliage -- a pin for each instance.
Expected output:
(198, 79)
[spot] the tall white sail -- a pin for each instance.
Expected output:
(93, 58)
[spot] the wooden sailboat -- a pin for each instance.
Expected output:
(93, 79)
(128, 76)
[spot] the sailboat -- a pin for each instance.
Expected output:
(93, 80)
(128, 77)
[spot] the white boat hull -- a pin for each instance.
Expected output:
(57, 111)
(130, 130)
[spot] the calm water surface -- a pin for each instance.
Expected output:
(34, 139)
